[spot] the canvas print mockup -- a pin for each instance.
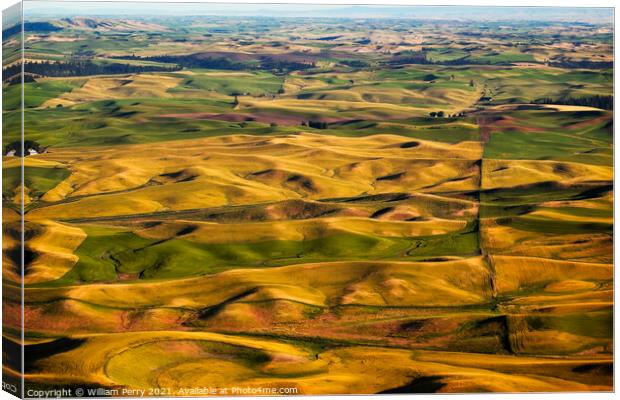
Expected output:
(259, 199)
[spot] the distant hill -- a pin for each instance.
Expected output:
(107, 25)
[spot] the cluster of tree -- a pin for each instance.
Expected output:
(11, 80)
(192, 61)
(16, 148)
(422, 58)
(354, 63)
(441, 114)
(223, 63)
(282, 66)
(17, 79)
(409, 58)
(315, 124)
(596, 101)
(82, 68)
(467, 60)
(581, 64)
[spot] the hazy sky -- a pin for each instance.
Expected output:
(135, 9)
(11, 16)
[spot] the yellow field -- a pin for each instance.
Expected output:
(100, 88)
(513, 314)
(238, 170)
(220, 361)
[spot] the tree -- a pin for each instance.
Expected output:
(80, 67)
(597, 101)
(471, 82)
(317, 124)
(440, 114)
(235, 102)
(433, 114)
(16, 147)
